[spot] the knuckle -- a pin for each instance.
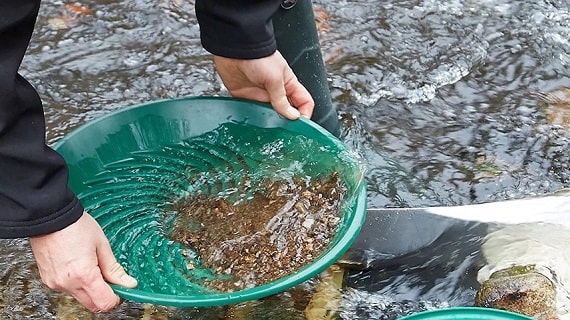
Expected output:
(82, 276)
(51, 283)
(59, 283)
(116, 268)
(71, 278)
(107, 304)
(73, 274)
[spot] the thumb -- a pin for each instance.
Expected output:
(111, 270)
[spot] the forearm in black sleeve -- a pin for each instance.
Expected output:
(34, 196)
(240, 29)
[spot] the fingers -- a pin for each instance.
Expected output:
(300, 97)
(282, 106)
(291, 99)
(96, 295)
(288, 96)
(87, 286)
(77, 260)
(278, 99)
(254, 93)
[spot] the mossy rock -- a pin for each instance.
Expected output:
(519, 289)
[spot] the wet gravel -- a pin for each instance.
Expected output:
(285, 225)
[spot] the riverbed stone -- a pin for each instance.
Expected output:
(519, 289)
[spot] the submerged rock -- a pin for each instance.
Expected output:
(519, 289)
(526, 270)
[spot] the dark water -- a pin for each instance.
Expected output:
(441, 98)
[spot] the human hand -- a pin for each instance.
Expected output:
(77, 260)
(268, 79)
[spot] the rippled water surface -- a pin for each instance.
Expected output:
(447, 101)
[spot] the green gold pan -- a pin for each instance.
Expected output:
(466, 313)
(128, 168)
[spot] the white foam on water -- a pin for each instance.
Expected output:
(549, 209)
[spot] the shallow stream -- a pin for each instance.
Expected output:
(451, 103)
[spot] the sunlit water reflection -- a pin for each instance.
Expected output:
(440, 98)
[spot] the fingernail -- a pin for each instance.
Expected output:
(293, 113)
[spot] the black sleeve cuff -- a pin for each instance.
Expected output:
(239, 29)
(44, 225)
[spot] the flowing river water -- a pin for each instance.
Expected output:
(450, 102)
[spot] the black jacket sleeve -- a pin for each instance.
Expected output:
(34, 196)
(240, 29)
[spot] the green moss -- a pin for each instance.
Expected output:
(514, 271)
